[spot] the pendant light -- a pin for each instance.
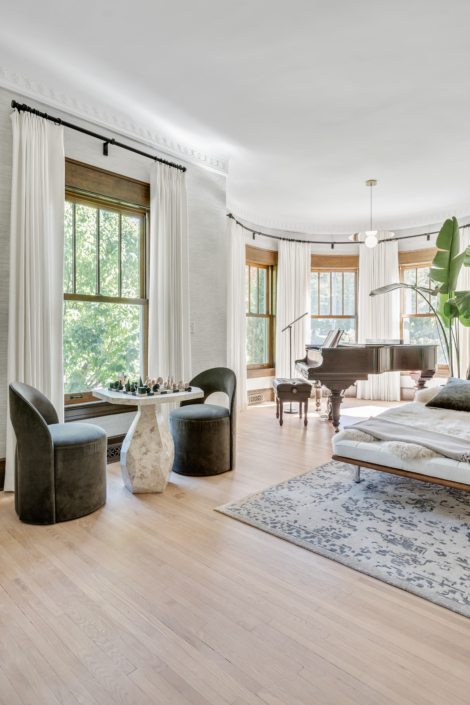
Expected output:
(369, 237)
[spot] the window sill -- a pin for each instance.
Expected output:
(261, 372)
(93, 410)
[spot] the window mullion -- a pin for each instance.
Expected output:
(74, 248)
(98, 223)
(120, 256)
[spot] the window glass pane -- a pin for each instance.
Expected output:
(130, 256)
(86, 223)
(247, 287)
(409, 277)
(324, 293)
(257, 341)
(68, 251)
(337, 293)
(322, 326)
(254, 289)
(109, 253)
(262, 290)
(423, 331)
(349, 293)
(101, 340)
(422, 280)
(314, 293)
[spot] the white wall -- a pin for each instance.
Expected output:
(207, 241)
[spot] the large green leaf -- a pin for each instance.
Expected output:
(467, 257)
(448, 262)
(400, 285)
(450, 308)
(462, 300)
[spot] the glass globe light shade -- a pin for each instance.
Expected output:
(370, 241)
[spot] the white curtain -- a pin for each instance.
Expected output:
(463, 284)
(293, 299)
(236, 309)
(169, 336)
(379, 316)
(36, 265)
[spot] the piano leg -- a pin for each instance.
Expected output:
(421, 377)
(318, 396)
(277, 408)
(335, 399)
(305, 413)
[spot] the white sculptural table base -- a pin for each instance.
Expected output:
(148, 450)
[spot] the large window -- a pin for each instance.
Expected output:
(260, 281)
(105, 305)
(418, 323)
(333, 302)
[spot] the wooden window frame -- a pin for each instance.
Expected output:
(270, 315)
(81, 197)
(403, 267)
(331, 270)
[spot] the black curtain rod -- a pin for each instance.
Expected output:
(319, 242)
(21, 107)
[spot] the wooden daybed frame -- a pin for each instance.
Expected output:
(405, 473)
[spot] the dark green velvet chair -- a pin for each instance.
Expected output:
(60, 469)
(204, 434)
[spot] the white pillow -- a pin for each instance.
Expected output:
(426, 394)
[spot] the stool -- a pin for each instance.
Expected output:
(297, 390)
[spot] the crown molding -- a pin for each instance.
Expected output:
(81, 106)
(417, 220)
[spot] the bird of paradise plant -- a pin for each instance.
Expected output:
(451, 305)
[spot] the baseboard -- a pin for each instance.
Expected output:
(258, 396)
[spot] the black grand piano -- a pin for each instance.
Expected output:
(338, 368)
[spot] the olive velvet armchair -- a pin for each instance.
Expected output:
(60, 469)
(204, 434)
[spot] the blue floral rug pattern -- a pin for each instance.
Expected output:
(411, 534)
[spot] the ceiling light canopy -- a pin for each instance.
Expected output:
(370, 238)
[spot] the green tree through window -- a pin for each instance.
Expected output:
(104, 293)
(333, 304)
(260, 283)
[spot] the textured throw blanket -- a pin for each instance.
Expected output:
(451, 446)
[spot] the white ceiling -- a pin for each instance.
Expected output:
(307, 98)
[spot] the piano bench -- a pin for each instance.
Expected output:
(297, 390)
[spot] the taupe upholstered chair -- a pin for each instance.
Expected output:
(60, 471)
(204, 434)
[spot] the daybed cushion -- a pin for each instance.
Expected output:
(375, 452)
(454, 396)
(357, 445)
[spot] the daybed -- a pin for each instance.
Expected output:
(362, 450)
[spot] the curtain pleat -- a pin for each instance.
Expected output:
(36, 265)
(379, 316)
(169, 347)
(236, 309)
(463, 333)
(293, 299)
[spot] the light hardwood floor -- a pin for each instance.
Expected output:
(157, 599)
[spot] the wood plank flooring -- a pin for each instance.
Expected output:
(157, 599)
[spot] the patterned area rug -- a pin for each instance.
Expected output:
(411, 534)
